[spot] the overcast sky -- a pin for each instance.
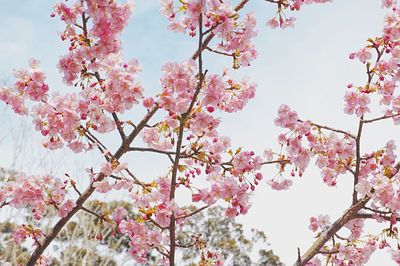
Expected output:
(306, 67)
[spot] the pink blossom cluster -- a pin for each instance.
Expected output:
(90, 43)
(190, 100)
(107, 84)
(22, 233)
(356, 228)
(389, 3)
(179, 83)
(281, 20)
(348, 253)
(94, 55)
(221, 20)
(354, 254)
(228, 189)
(356, 102)
(30, 84)
(37, 193)
(383, 70)
(304, 140)
(322, 222)
(296, 153)
(154, 211)
(378, 181)
(141, 239)
(224, 93)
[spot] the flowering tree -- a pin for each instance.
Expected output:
(203, 162)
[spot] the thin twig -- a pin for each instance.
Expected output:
(156, 224)
(358, 160)
(276, 161)
(118, 124)
(329, 128)
(380, 118)
(193, 213)
(219, 52)
(168, 153)
(92, 213)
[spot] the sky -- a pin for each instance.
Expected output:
(306, 67)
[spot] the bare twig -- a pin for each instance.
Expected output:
(92, 213)
(119, 127)
(276, 161)
(380, 118)
(193, 213)
(330, 129)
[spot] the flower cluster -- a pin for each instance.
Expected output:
(322, 222)
(281, 20)
(30, 84)
(334, 153)
(37, 193)
(222, 20)
(108, 85)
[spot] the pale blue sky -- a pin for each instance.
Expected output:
(306, 67)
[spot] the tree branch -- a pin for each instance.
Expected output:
(193, 213)
(358, 159)
(349, 215)
(380, 118)
(330, 129)
(92, 213)
(118, 124)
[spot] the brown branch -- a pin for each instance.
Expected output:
(73, 184)
(193, 213)
(348, 168)
(4, 204)
(137, 181)
(160, 251)
(330, 129)
(168, 153)
(371, 216)
(377, 211)
(340, 237)
(349, 215)
(219, 52)
(329, 252)
(92, 213)
(155, 223)
(358, 160)
(125, 145)
(118, 177)
(186, 245)
(180, 139)
(272, 1)
(276, 161)
(150, 150)
(118, 124)
(380, 118)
